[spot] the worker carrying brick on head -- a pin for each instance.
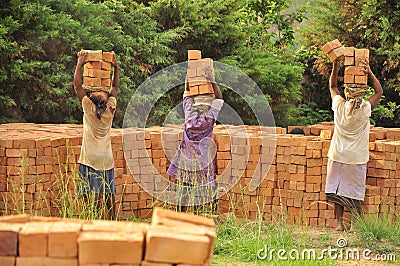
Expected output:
(96, 169)
(192, 165)
(348, 153)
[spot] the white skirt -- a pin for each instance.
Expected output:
(347, 180)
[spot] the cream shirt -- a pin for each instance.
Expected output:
(349, 142)
(96, 150)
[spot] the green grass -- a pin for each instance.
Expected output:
(239, 242)
(372, 230)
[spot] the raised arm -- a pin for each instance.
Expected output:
(333, 80)
(376, 85)
(80, 92)
(210, 77)
(115, 81)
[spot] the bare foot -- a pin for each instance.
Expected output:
(339, 227)
(352, 229)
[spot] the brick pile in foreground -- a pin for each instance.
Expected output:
(172, 239)
(35, 161)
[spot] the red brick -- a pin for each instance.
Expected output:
(348, 79)
(108, 56)
(94, 55)
(62, 239)
(34, 232)
(349, 51)
(361, 79)
(336, 54)
(163, 245)
(94, 64)
(194, 55)
(149, 263)
(349, 61)
(46, 261)
(92, 82)
(361, 54)
(9, 239)
(354, 70)
(105, 65)
(110, 247)
(7, 261)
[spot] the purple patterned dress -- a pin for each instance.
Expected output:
(193, 162)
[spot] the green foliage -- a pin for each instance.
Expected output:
(279, 78)
(39, 41)
(211, 26)
(271, 22)
(39, 44)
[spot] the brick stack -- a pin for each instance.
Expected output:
(383, 176)
(293, 168)
(54, 241)
(140, 166)
(96, 71)
(197, 73)
(354, 75)
(186, 239)
(353, 72)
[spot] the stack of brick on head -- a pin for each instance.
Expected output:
(96, 169)
(192, 165)
(348, 153)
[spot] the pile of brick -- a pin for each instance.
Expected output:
(197, 73)
(354, 74)
(96, 71)
(172, 239)
(294, 167)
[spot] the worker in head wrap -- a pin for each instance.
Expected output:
(348, 153)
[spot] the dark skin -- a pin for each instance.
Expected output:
(80, 92)
(374, 101)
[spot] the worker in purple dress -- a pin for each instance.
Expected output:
(192, 165)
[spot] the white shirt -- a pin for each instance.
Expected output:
(96, 150)
(349, 142)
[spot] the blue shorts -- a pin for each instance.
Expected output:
(97, 181)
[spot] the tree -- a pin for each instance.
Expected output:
(279, 78)
(211, 26)
(271, 22)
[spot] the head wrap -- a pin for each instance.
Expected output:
(354, 95)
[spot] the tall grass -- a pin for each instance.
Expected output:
(60, 200)
(371, 229)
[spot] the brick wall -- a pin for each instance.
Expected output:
(35, 159)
